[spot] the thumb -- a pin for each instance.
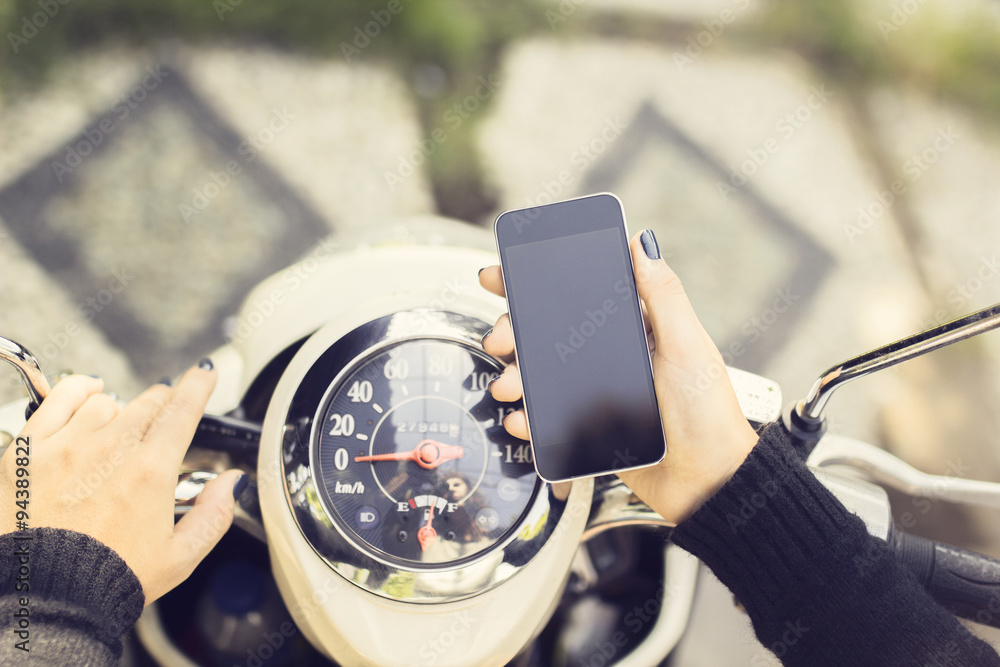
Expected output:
(676, 328)
(206, 522)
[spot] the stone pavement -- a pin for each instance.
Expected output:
(143, 192)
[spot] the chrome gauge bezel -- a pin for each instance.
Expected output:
(324, 497)
(358, 562)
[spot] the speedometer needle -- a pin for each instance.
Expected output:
(428, 454)
(426, 535)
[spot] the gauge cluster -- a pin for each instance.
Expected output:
(397, 468)
(411, 457)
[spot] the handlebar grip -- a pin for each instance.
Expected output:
(964, 582)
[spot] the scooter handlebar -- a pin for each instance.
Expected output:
(964, 582)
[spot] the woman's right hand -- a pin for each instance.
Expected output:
(707, 435)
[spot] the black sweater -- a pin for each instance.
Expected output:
(819, 589)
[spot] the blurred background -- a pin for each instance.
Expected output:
(822, 175)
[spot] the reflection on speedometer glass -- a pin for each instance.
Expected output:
(413, 459)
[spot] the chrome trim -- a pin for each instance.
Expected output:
(810, 409)
(28, 368)
(354, 561)
(616, 506)
(190, 484)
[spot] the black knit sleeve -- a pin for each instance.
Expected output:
(65, 599)
(819, 589)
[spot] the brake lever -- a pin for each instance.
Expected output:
(806, 420)
(883, 468)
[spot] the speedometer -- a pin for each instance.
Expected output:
(411, 458)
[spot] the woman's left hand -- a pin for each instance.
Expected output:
(110, 472)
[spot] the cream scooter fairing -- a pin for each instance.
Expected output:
(418, 278)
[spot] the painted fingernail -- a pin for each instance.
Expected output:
(165, 381)
(481, 271)
(240, 486)
(96, 377)
(648, 240)
(490, 383)
(485, 336)
(206, 364)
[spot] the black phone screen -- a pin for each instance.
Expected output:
(578, 331)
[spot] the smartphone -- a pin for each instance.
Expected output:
(579, 338)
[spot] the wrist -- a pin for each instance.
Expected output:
(718, 472)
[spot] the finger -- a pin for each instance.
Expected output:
(507, 387)
(203, 526)
(500, 341)
(516, 424)
(173, 427)
(96, 412)
(61, 403)
(492, 280)
(137, 417)
(675, 325)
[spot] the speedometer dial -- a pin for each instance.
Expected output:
(413, 460)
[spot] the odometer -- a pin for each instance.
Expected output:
(412, 459)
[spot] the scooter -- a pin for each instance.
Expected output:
(392, 521)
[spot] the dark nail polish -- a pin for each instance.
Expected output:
(648, 240)
(240, 486)
(485, 336)
(165, 381)
(481, 271)
(206, 364)
(96, 377)
(490, 383)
